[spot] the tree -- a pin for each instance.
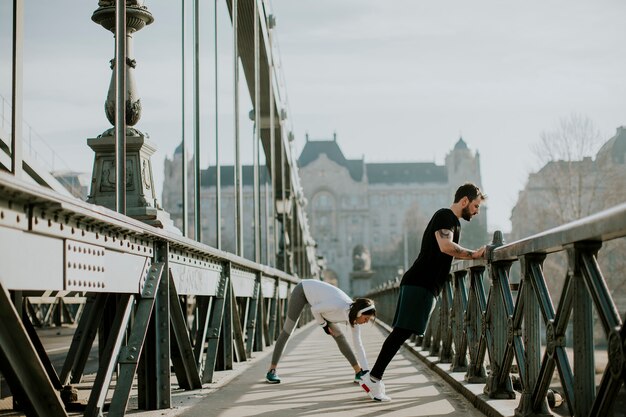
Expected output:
(571, 178)
(572, 184)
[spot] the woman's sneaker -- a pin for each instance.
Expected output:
(376, 390)
(271, 377)
(359, 375)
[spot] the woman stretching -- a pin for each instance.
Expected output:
(329, 306)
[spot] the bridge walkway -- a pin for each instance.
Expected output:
(318, 381)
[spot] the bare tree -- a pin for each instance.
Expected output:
(574, 180)
(571, 179)
(575, 137)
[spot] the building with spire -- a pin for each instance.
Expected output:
(367, 218)
(379, 208)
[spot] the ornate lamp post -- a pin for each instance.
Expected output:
(141, 200)
(137, 16)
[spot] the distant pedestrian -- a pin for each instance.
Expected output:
(329, 306)
(423, 281)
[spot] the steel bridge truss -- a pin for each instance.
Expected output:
(152, 300)
(146, 300)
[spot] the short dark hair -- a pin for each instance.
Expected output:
(469, 190)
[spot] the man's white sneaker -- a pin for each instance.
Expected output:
(376, 390)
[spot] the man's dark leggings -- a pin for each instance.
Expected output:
(392, 344)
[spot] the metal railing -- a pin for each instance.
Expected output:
(152, 298)
(481, 329)
(34, 145)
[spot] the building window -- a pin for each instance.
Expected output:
(323, 201)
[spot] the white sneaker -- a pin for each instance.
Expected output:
(376, 390)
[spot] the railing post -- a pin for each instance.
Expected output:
(476, 372)
(531, 332)
(459, 361)
(434, 329)
(427, 342)
(584, 364)
(498, 384)
(446, 322)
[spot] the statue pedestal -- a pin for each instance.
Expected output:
(141, 203)
(360, 282)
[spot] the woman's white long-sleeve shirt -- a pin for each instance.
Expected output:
(330, 304)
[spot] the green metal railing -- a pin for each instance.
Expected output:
(482, 330)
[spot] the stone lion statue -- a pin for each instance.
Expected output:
(361, 260)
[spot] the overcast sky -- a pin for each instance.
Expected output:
(402, 80)
(396, 80)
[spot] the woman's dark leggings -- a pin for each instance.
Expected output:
(392, 344)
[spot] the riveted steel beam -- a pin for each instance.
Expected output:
(202, 309)
(252, 317)
(238, 336)
(182, 352)
(228, 335)
(83, 338)
(128, 358)
(109, 355)
(41, 351)
(21, 366)
(216, 317)
(273, 326)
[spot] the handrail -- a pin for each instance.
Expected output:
(481, 325)
(155, 299)
(216, 303)
(34, 151)
(602, 226)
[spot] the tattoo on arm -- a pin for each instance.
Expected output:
(461, 252)
(444, 233)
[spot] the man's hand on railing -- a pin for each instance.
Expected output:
(479, 253)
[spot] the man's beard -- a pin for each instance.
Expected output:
(466, 214)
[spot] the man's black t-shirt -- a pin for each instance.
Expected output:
(432, 266)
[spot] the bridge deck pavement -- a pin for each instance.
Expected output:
(317, 381)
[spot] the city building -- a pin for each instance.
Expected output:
(378, 208)
(367, 218)
(567, 190)
(172, 203)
